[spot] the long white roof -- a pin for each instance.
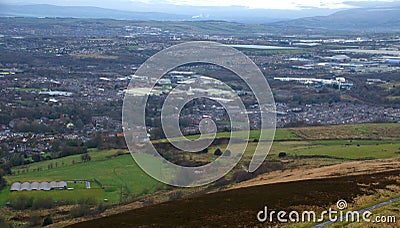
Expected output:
(17, 186)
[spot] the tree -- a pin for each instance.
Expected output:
(282, 154)
(22, 202)
(71, 150)
(218, 152)
(56, 144)
(85, 158)
(47, 221)
(96, 142)
(36, 158)
(2, 180)
(35, 220)
(175, 195)
(43, 203)
(79, 211)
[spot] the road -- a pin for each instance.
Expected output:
(343, 218)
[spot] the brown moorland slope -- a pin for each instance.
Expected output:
(338, 170)
(238, 207)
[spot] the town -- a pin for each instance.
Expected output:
(71, 85)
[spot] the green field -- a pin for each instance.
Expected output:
(280, 135)
(390, 85)
(354, 151)
(121, 177)
(335, 149)
(357, 131)
(116, 174)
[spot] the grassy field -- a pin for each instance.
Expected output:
(390, 85)
(280, 135)
(386, 131)
(335, 149)
(386, 146)
(357, 151)
(116, 174)
(120, 175)
(359, 131)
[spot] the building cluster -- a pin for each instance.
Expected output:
(336, 113)
(45, 186)
(59, 83)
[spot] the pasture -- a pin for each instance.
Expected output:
(120, 177)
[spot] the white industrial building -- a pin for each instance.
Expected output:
(46, 186)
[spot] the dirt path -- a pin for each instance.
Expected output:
(344, 169)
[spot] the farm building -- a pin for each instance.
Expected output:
(38, 186)
(35, 186)
(25, 186)
(15, 186)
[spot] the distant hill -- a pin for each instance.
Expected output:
(373, 18)
(44, 10)
(362, 19)
(159, 12)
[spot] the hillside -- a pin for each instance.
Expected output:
(374, 18)
(312, 155)
(44, 10)
(161, 11)
(361, 19)
(239, 207)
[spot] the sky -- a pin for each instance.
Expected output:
(253, 4)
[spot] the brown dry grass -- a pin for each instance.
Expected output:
(343, 169)
(238, 207)
(362, 131)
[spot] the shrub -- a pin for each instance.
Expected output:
(242, 176)
(85, 158)
(35, 220)
(218, 152)
(87, 201)
(80, 211)
(148, 202)
(2, 182)
(3, 222)
(22, 202)
(282, 154)
(130, 198)
(101, 208)
(43, 203)
(175, 195)
(145, 191)
(222, 182)
(47, 221)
